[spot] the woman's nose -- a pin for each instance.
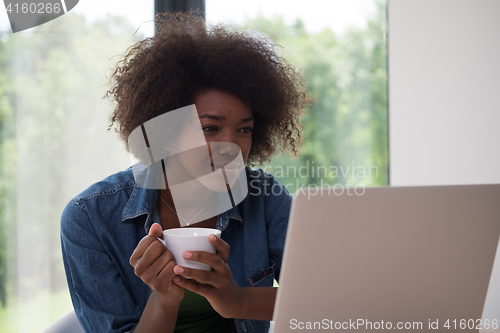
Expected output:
(228, 143)
(228, 148)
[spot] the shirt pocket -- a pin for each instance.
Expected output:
(264, 278)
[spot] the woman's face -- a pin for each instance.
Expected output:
(225, 118)
(227, 124)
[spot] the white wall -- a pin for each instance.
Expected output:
(444, 97)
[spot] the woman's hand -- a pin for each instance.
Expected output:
(154, 264)
(216, 286)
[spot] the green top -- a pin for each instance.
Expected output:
(197, 315)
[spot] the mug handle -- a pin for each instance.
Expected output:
(162, 241)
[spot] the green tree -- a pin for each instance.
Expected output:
(54, 144)
(7, 155)
(346, 129)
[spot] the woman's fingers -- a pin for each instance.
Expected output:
(200, 276)
(194, 286)
(154, 232)
(141, 248)
(154, 265)
(221, 246)
(216, 286)
(161, 280)
(214, 260)
(159, 264)
(150, 255)
(217, 278)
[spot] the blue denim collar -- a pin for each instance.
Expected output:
(234, 214)
(143, 202)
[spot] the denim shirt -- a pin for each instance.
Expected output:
(101, 227)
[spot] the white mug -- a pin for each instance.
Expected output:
(180, 240)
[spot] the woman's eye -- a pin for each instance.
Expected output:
(209, 129)
(247, 129)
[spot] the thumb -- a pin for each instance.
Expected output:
(156, 230)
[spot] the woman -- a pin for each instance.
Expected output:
(121, 278)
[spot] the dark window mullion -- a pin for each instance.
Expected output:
(179, 5)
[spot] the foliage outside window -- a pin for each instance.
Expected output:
(346, 133)
(53, 139)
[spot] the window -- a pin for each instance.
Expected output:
(54, 144)
(342, 49)
(53, 120)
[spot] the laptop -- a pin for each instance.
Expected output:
(389, 258)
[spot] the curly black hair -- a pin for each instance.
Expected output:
(186, 58)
